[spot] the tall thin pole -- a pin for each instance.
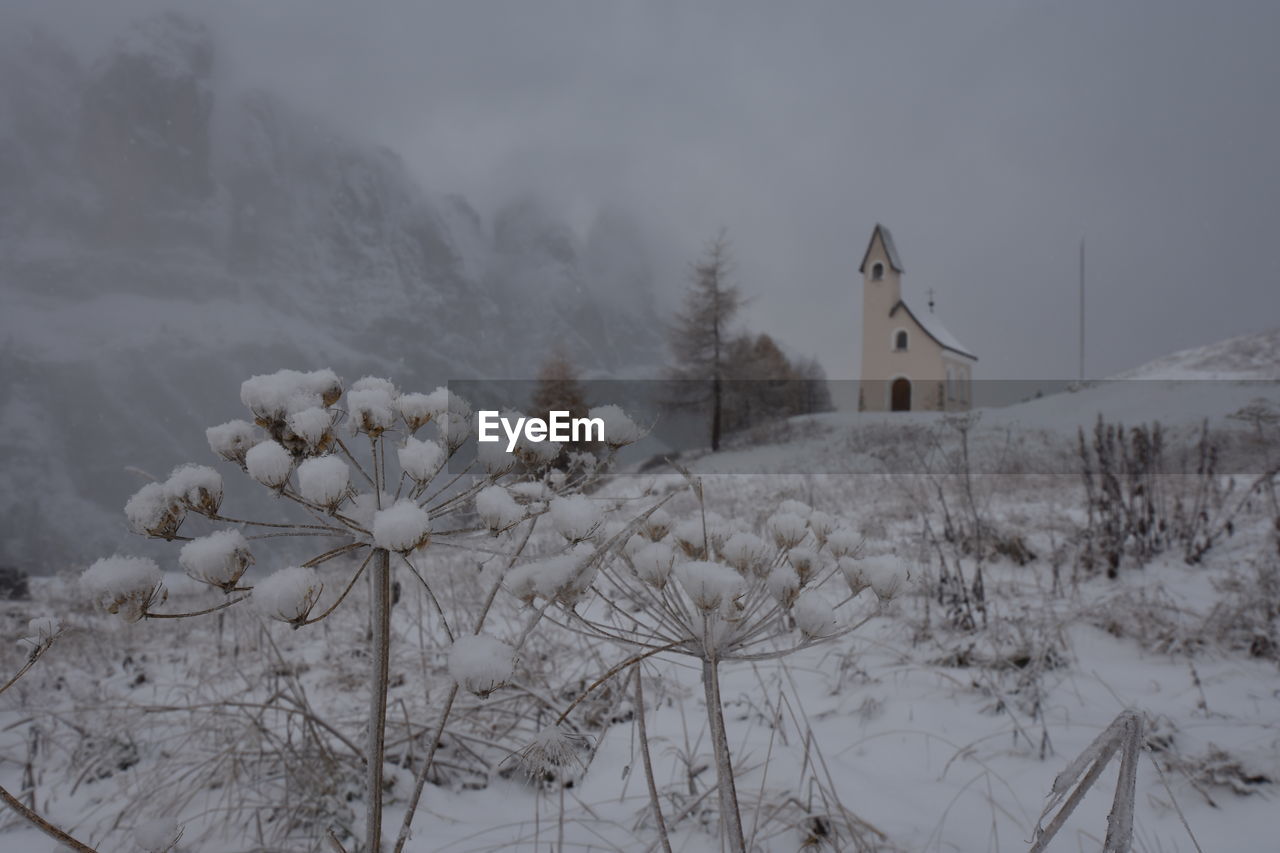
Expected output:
(1081, 309)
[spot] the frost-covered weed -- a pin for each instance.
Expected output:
(330, 461)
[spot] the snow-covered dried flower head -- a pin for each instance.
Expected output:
(852, 571)
(480, 663)
(657, 525)
(795, 507)
(269, 463)
(562, 577)
(232, 440)
(497, 509)
(418, 409)
(288, 594)
(787, 528)
(821, 524)
(653, 562)
(555, 751)
(402, 528)
(495, 459)
(709, 585)
(324, 480)
(804, 561)
(126, 586)
(43, 630)
(312, 430)
(815, 617)
(154, 511)
(158, 836)
(843, 543)
(783, 584)
(887, 575)
(420, 459)
(576, 517)
(689, 535)
(219, 559)
(747, 553)
(619, 429)
(273, 397)
(197, 486)
(372, 407)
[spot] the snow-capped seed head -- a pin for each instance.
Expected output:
(563, 577)
(709, 585)
(495, 459)
(804, 561)
(324, 480)
(269, 463)
(232, 440)
(746, 552)
(843, 543)
(158, 836)
(313, 427)
(497, 509)
(480, 663)
(815, 617)
(325, 384)
(272, 397)
(887, 575)
(576, 517)
(219, 559)
(653, 562)
(199, 487)
(795, 507)
(821, 524)
(288, 594)
(657, 525)
(416, 409)
(689, 535)
(852, 571)
(719, 529)
(556, 751)
(372, 409)
(126, 586)
(421, 460)
(455, 428)
(42, 630)
(402, 528)
(787, 529)
(537, 454)
(153, 511)
(376, 383)
(783, 585)
(619, 429)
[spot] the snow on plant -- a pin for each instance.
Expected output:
(576, 517)
(219, 559)
(481, 664)
(305, 445)
(710, 589)
(126, 586)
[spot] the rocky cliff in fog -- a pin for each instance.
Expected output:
(162, 239)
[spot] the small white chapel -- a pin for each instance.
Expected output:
(910, 362)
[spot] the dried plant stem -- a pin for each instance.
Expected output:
(654, 802)
(380, 613)
(43, 825)
(420, 782)
(730, 818)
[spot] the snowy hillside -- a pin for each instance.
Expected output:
(163, 237)
(1255, 356)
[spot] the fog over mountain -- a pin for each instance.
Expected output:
(163, 237)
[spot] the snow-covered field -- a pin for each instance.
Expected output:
(939, 723)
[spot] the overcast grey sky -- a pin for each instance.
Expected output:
(989, 136)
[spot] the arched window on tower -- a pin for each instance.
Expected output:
(877, 271)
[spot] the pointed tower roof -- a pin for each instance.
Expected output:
(889, 249)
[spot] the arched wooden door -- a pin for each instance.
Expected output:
(900, 395)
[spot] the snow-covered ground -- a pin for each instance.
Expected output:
(917, 731)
